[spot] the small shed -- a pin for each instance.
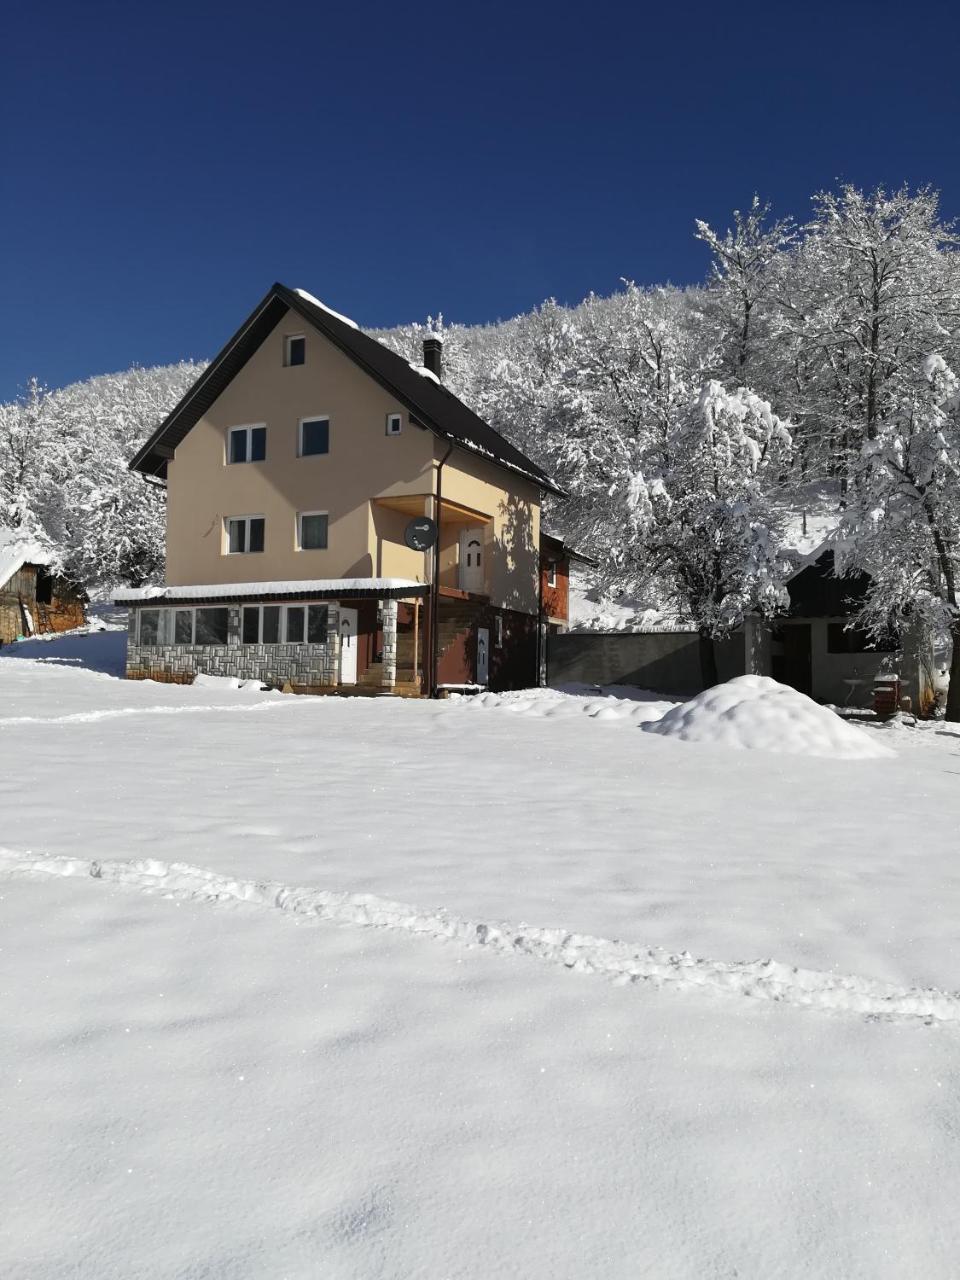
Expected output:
(34, 598)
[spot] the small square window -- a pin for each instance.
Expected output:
(247, 444)
(394, 424)
(244, 534)
(313, 531)
(295, 350)
(314, 436)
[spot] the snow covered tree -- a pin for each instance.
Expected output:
(905, 515)
(706, 520)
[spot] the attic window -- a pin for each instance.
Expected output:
(294, 349)
(394, 424)
(247, 444)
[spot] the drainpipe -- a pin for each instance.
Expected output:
(539, 617)
(435, 594)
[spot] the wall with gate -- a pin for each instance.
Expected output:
(664, 661)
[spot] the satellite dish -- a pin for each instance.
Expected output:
(421, 533)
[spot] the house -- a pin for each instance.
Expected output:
(811, 646)
(814, 648)
(337, 520)
(33, 598)
(555, 560)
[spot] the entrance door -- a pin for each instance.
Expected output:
(348, 646)
(483, 655)
(471, 560)
(796, 657)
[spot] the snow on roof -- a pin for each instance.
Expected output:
(16, 551)
(238, 590)
(308, 297)
(424, 372)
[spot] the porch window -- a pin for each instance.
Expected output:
(317, 624)
(247, 444)
(844, 639)
(314, 436)
(294, 630)
(261, 624)
(212, 626)
(183, 626)
(244, 534)
(149, 628)
(312, 530)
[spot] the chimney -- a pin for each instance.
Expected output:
(433, 355)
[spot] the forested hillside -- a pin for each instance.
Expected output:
(817, 363)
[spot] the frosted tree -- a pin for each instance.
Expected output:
(868, 291)
(904, 518)
(742, 277)
(706, 521)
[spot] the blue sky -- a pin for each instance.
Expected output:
(163, 164)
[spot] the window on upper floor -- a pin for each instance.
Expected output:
(243, 534)
(314, 437)
(247, 444)
(312, 530)
(294, 349)
(552, 573)
(394, 424)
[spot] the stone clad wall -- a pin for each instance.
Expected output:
(302, 664)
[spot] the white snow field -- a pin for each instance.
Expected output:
(502, 986)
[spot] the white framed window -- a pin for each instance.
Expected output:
(201, 626)
(312, 530)
(305, 623)
(260, 624)
(247, 444)
(394, 424)
(243, 534)
(313, 437)
(294, 349)
(552, 573)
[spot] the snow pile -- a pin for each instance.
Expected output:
(756, 713)
(613, 703)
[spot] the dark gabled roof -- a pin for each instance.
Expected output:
(816, 591)
(550, 544)
(429, 403)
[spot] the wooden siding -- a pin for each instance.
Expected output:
(18, 596)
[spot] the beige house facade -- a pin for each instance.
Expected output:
(312, 466)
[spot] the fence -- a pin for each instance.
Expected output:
(664, 661)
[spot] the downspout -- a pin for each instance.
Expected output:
(540, 679)
(435, 593)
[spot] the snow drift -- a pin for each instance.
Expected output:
(756, 713)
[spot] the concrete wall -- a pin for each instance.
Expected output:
(666, 662)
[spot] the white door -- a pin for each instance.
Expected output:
(471, 560)
(348, 646)
(483, 655)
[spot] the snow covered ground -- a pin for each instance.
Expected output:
(296, 987)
